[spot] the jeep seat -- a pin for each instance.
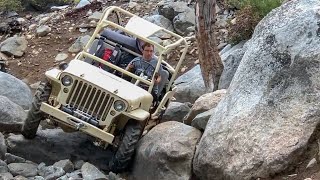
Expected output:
(123, 40)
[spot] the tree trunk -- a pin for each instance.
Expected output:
(210, 61)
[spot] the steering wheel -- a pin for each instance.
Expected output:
(141, 71)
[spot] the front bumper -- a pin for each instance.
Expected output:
(76, 123)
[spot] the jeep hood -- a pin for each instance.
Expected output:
(127, 91)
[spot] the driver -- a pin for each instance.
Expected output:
(137, 65)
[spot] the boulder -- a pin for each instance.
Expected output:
(3, 167)
(23, 169)
(3, 146)
(50, 172)
(52, 145)
(204, 103)
(43, 30)
(160, 21)
(11, 116)
(231, 60)
(183, 21)
(11, 158)
(201, 120)
(78, 45)
(6, 176)
(89, 171)
(175, 112)
(190, 86)
(73, 175)
(66, 165)
(267, 121)
(14, 46)
(15, 90)
(169, 9)
(166, 152)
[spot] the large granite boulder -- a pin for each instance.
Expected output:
(190, 86)
(11, 115)
(231, 60)
(15, 90)
(166, 152)
(176, 111)
(3, 147)
(266, 120)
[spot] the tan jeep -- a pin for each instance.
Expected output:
(100, 97)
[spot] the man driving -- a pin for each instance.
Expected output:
(146, 63)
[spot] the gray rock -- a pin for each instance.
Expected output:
(82, 3)
(36, 178)
(190, 86)
(201, 120)
(12, 116)
(50, 172)
(14, 46)
(266, 122)
(204, 103)
(166, 152)
(23, 169)
(52, 145)
(43, 30)
(6, 176)
(73, 175)
(66, 165)
(3, 167)
(312, 163)
(78, 45)
(19, 177)
(113, 176)
(78, 164)
(3, 146)
(231, 60)
(170, 9)
(175, 112)
(95, 16)
(10, 158)
(19, 92)
(160, 21)
(183, 21)
(89, 171)
(61, 57)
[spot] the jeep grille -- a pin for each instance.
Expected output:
(90, 99)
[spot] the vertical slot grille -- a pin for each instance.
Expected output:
(90, 100)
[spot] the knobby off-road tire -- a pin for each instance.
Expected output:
(31, 124)
(123, 156)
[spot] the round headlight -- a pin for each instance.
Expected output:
(119, 105)
(66, 80)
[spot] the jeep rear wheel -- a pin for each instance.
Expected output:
(35, 115)
(124, 154)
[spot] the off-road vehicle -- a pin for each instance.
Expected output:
(99, 96)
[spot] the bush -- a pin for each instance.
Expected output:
(10, 5)
(251, 12)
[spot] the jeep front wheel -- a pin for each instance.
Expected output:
(31, 124)
(124, 154)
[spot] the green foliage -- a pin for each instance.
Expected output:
(260, 7)
(10, 5)
(251, 12)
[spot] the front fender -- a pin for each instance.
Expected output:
(138, 114)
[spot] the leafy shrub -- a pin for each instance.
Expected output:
(251, 12)
(10, 5)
